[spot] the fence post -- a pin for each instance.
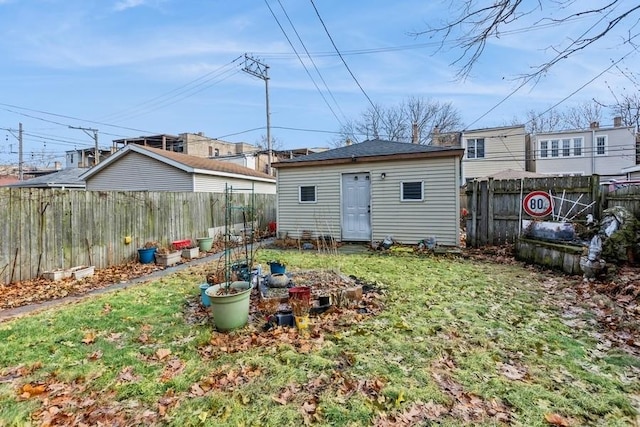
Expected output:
(474, 214)
(596, 193)
(490, 237)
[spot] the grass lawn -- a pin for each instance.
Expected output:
(456, 342)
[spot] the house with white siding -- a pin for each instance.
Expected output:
(139, 168)
(492, 150)
(370, 190)
(489, 151)
(606, 151)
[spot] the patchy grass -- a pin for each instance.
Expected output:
(458, 342)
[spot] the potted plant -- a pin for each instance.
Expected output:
(146, 252)
(167, 257)
(205, 243)
(193, 251)
(277, 267)
(229, 298)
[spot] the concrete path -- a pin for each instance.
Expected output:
(13, 313)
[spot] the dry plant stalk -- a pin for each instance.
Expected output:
(268, 306)
(300, 307)
(339, 298)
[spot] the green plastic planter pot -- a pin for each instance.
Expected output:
(230, 311)
(205, 243)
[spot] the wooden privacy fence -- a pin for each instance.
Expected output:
(494, 207)
(48, 229)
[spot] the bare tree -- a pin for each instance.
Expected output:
(550, 120)
(628, 108)
(582, 115)
(276, 143)
(396, 123)
(479, 21)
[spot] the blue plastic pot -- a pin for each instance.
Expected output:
(277, 268)
(204, 298)
(146, 255)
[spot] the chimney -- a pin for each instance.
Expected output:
(415, 136)
(347, 142)
(617, 122)
(594, 125)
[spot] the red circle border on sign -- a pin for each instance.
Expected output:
(525, 206)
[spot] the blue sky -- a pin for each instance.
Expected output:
(137, 67)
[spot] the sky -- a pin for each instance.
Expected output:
(144, 67)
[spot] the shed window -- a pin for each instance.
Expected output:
(411, 191)
(307, 194)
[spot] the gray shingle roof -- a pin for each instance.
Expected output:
(369, 148)
(64, 178)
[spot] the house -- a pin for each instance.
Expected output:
(608, 151)
(84, 157)
(489, 150)
(200, 145)
(139, 168)
(68, 179)
(371, 190)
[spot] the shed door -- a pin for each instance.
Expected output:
(356, 207)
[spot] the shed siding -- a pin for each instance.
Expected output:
(135, 172)
(216, 184)
(504, 149)
(408, 222)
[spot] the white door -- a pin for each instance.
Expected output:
(356, 207)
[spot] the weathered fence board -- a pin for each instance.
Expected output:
(48, 229)
(496, 213)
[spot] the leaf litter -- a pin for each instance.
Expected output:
(614, 302)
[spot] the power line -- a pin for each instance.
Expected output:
(353, 52)
(172, 93)
(326, 30)
(533, 76)
(302, 62)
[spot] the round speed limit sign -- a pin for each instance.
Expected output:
(537, 204)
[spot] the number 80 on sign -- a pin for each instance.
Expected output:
(537, 204)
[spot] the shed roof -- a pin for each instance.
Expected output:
(65, 178)
(370, 151)
(190, 164)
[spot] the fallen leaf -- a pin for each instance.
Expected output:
(557, 420)
(95, 355)
(162, 353)
(29, 390)
(89, 338)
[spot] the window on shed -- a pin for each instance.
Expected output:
(412, 191)
(307, 194)
(216, 152)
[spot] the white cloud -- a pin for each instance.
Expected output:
(127, 4)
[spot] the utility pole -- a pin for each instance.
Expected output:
(20, 171)
(95, 139)
(261, 71)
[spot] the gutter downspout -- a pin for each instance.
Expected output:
(593, 151)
